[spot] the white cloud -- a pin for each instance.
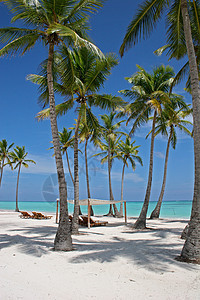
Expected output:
(133, 177)
(189, 118)
(160, 155)
(45, 164)
(127, 176)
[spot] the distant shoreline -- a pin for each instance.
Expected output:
(171, 219)
(106, 199)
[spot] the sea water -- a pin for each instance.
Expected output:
(169, 209)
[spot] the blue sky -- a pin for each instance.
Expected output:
(19, 108)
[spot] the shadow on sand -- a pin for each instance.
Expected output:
(38, 244)
(155, 254)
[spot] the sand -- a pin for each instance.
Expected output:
(111, 262)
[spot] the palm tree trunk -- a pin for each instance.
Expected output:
(17, 208)
(110, 213)
(68, 164)
(75, 220)
(156, 212)
(1, 171)
(191, 248)
(63, 241)
(87, 176)
(141, 221)
(122, 188)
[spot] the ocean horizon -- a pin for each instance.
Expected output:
(170, 208)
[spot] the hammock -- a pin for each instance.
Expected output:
(95, 201)
(90, 202)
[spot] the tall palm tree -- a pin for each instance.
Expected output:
(127, 152)
(150, 91)
(172, 119)
(52, 23)
(111, 148)
(4, 156)
(142, 25)
(90, 73)
(66, 140)
(90, 130)
(18, 156)
(110, 132)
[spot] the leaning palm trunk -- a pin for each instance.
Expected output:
(122, 189)
(156, 212)
(17, 208)
(63, 241)
(68, 164)
(75, 221)
(87, 176)
(1, 171)
(191, 248)
(141, 221)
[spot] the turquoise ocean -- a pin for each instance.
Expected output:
(170, 209)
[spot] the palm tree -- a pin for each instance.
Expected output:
(126, 151)
(90, 129)
(90, 73)
(53, 23)
(4, 155)
(110, 133)
(18, 158)
(66, 141)
(150, 92)
(177, 49)
(172, 119)
(141, 26)
(109, 148)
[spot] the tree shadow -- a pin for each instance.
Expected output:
(158, 232)
(175, 221)
(155, 255)
(38, 244)
(42, 232)
(152, 252)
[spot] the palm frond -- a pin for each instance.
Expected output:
(162, 49)
(20, 45)
(65, 31)
(9, 34)
(99, 71)
(60, 110)
(143, 23)
(175, 32)
(85, 6)
(105, 101)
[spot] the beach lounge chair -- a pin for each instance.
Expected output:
(80, 220)
(25, 215)
(37, 215)
(92, 222)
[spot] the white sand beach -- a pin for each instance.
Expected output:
(111, 262)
